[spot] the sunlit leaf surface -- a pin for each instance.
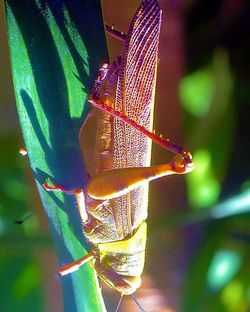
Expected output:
(56, 49)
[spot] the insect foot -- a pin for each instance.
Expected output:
(182, 164)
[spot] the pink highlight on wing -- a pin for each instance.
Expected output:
(137, 75)
(134, 97)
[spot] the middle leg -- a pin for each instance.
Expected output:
(78, 193)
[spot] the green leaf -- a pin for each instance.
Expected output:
(56, 50)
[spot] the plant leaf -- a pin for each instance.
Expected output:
(56, 49)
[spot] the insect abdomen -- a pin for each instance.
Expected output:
(121, 263)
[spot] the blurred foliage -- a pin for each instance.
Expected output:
(216, 128)
(204, 138)
(18, 294)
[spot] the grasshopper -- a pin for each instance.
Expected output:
(113, 208)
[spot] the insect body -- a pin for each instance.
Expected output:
(113, 209)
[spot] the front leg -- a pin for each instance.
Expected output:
(79, 195)
(89, 223)
(75, 265)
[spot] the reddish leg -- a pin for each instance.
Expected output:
(79, 195)
(74, 266)
(165, 143)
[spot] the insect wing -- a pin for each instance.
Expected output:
(135, 97)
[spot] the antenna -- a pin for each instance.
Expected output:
(140, 308)
(22, 220)
(119, 303)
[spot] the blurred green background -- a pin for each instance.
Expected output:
(199, 229)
